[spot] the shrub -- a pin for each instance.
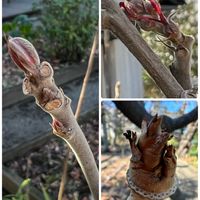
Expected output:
(21, 26)
(68, 27)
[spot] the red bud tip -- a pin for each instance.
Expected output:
(156, 6)
(23, 54)
(121, 5)
(56, 124)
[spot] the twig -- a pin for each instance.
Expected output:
(78, 109)
(87, 75)
(39, 82)
(64, 176)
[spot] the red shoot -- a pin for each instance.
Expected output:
(157, 8)
(121, 5)
(127, 10)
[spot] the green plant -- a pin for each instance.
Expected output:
(45, 194)
(21, 26)
(21, 193)
(67, 27)
(194, 147)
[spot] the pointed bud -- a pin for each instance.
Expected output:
(24, 55)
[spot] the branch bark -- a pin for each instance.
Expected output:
(39, 83)
(181, 67)
(136, 112)
(78, 109)
(116, 21)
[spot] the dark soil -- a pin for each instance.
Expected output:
(44, 165)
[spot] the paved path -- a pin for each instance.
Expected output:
(188, 179)
(12, 8)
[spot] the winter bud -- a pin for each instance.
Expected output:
(24, 55)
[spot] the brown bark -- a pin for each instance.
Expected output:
(153, 163)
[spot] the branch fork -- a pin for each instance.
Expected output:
(175, 81)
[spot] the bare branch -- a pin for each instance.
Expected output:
(116, 21)
(181, 68)
(78, 109)
(136, 112)
(39, 82)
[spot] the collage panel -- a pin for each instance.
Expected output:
(50, 134)
(149, 150)
(149, 49)
(99, 100)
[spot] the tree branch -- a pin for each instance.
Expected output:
(116, 21)
(135, 112)
(181, 67)
(78, 109)
(39, 82)
(149, 17)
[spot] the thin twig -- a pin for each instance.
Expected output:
(64, 176)
(78, 109)
(87, 75)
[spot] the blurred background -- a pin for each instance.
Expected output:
(122, 74)
(119, 116)
(62, 32)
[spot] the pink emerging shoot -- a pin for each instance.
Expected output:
(134, 12)
(157, 8)
(24, 55)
